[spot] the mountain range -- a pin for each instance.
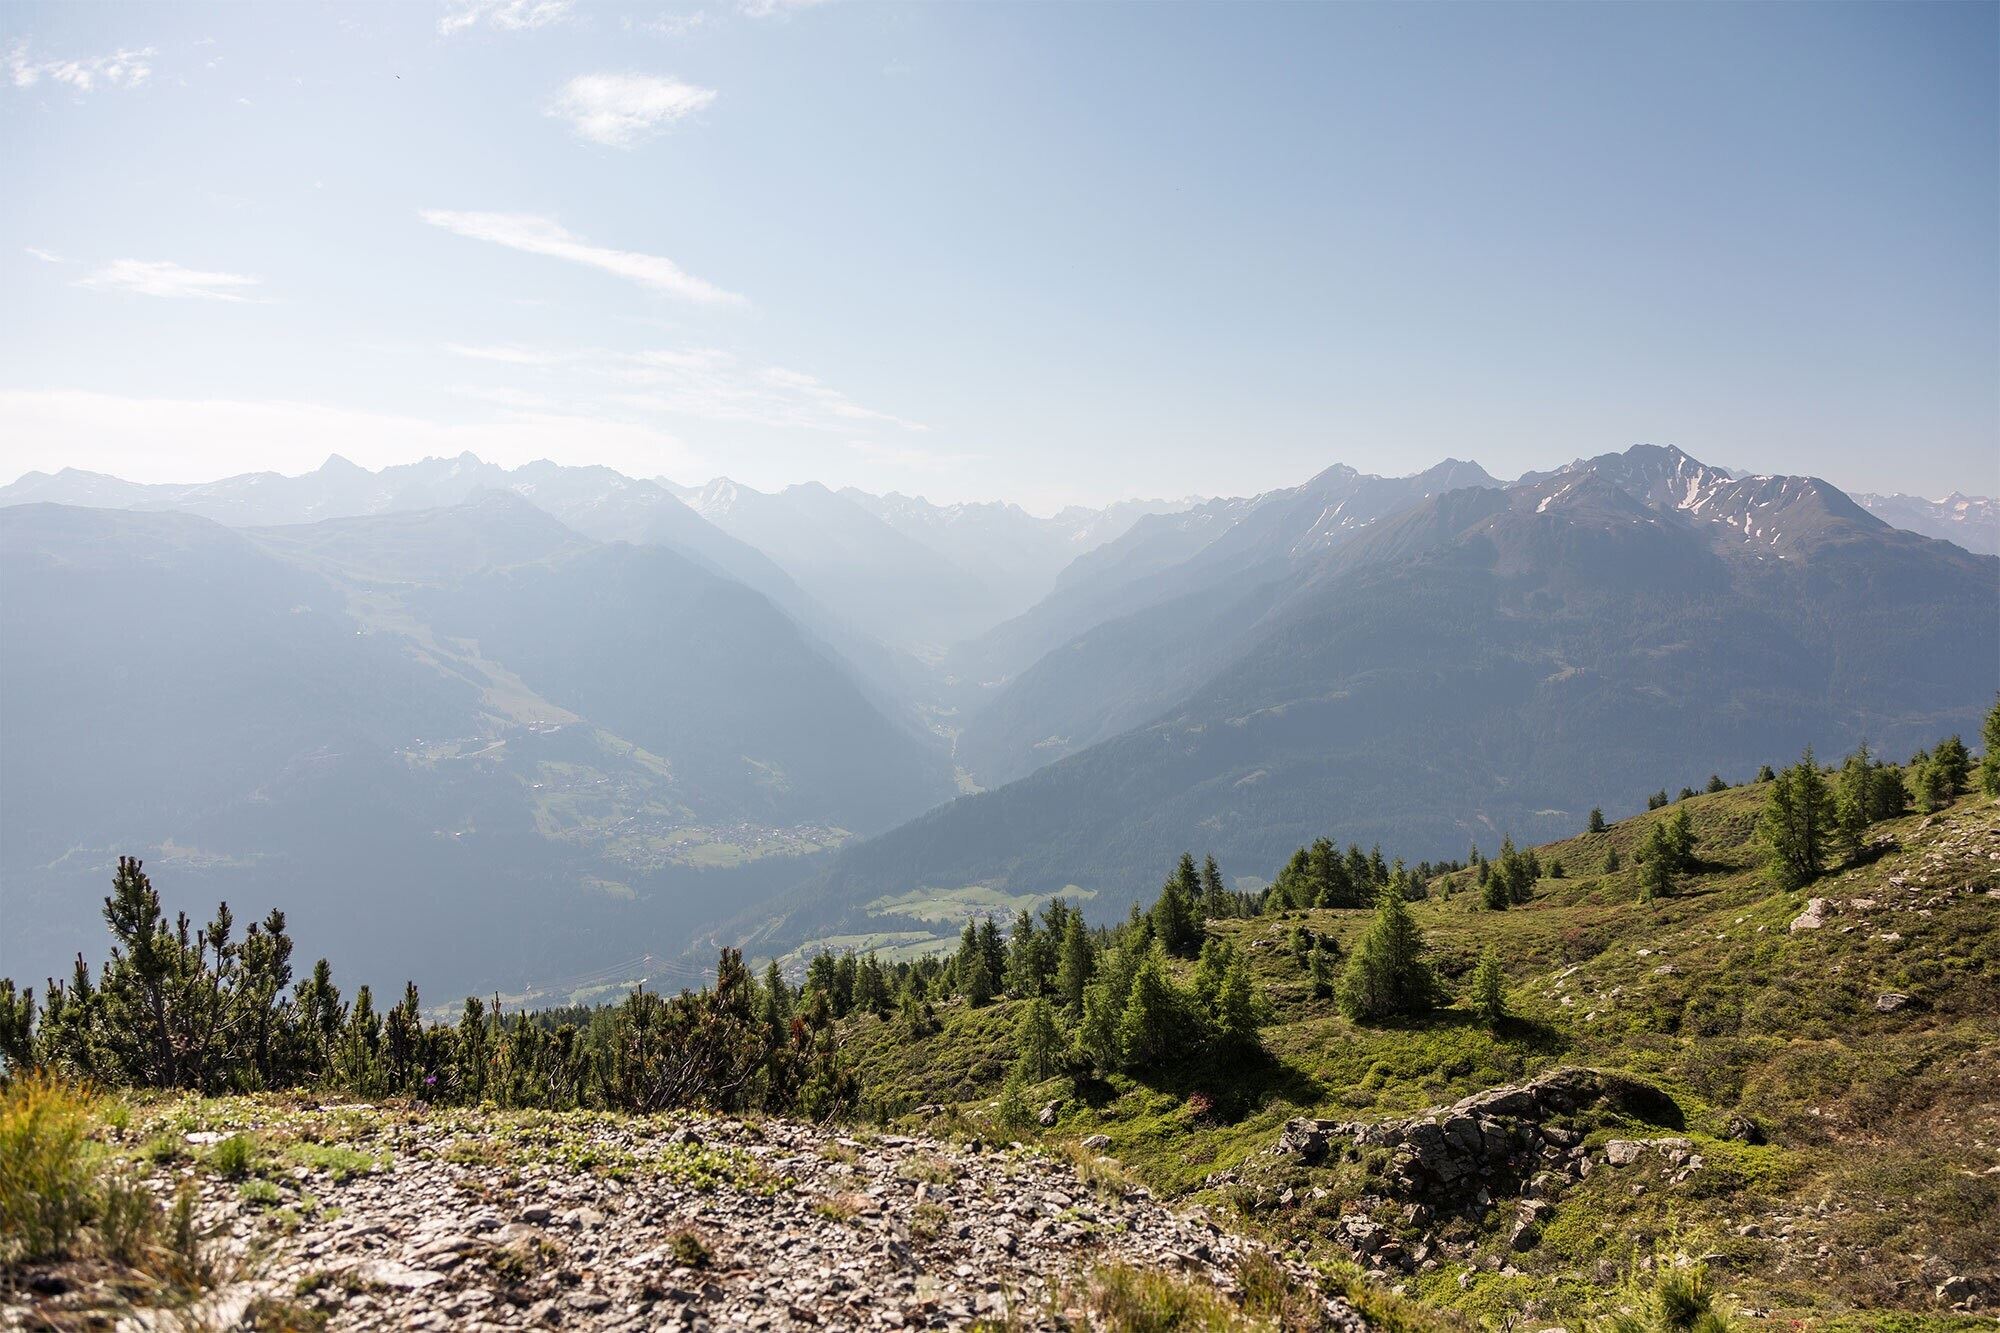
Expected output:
(1972, 521)
(1487, 660)
(627, 713)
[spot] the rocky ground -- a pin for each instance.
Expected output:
(350, 1218)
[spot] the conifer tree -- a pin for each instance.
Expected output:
(1596, 819)
(1854, 801)
(1037, 1041)
(1716, 784)
(1489, 989)
(1954, 765)
(993, 950)
(1236, 1009)
(1176, 916)
(1153, 1025)
(1795, 824)
(1612, 862)
(1386, 975)
(1932, 781)
(1025, 947)
(1323, 976)
(978, 982)
(1214, 897)
(1097, 1026)
(1075, 963)
(1658, 866)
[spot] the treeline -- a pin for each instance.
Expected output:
(1099, 999)
(196, 1008)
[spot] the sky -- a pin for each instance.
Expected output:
(1046, 253)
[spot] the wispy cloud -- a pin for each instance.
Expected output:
(508, 355)
(164, 278)
(506, 15)
(621, 109)
(701, 382)
(674, 25)
(764, 9)
(46, 256)
(544, 236)
(123, 68)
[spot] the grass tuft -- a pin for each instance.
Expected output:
(47, 1173)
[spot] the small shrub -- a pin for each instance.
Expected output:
(233, 1158)
(928, 1222)
(689, 1250)
(259, 1193)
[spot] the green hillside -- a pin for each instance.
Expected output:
(1864, 1054)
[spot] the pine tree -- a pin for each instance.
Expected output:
(1612, 862)
(1854, 802)
(993, 951)
(1679, 842)
(1795, 824)
(1954, 765)
(1214, 898)
(978, 981)
(1097, 1027)
(1075, 962)
(1764, 773)
(1658, 865)
(1236, 1009)
(1323, 976)
(1386, 975)
(1596, 819)
(1489, 989)
(1024, 957)
(1037, 1041)
(1716, 784)
(1176, 916)
(1933, 786)
(1153, 1026)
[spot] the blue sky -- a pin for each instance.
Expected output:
(1048, 253)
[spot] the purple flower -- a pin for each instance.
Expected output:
(430, 1080)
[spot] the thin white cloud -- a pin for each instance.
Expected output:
(508, 355)
(123, 68)
(544, 236)
(619, 110)
(701, 382)
(506, 15)
(164, 278)
(46, 256)
(764, 9)
(179, 439)
(675, 25)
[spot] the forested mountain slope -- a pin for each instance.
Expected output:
(1491, 662)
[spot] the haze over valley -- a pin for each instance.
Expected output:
(641, 717)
